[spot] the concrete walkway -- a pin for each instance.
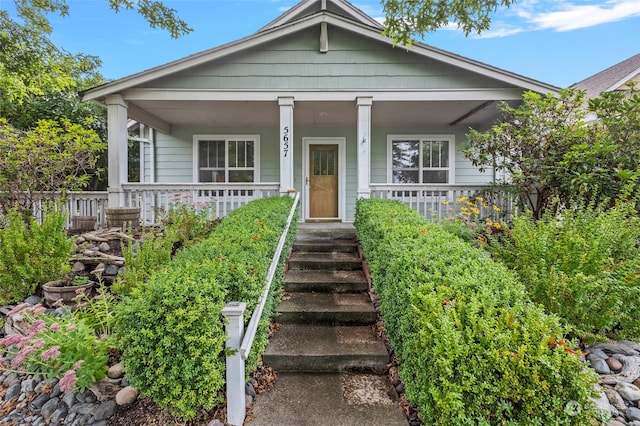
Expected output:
(327, 333)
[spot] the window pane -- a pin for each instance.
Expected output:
(203, 154)
(405, 176)
(331, 163)
(233, 153)
(405, 154)
(444, 154)
(241, 176)
(211, 176)
(316, 163)
(435, 176)
(427, 159)
(250, 154)
(216, 153)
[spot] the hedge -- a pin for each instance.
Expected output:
(472, 349)
(171, 332)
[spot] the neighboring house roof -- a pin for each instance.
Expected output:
(612, 78)
(307, 14)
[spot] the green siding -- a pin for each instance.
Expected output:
(352, 62)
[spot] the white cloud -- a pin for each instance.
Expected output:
(571, 16)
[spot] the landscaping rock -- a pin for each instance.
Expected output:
(104, 247)
(127, 395)
(628, 391)
(111, 270)
(614, 364)
(115, 371)
(633, 414)
(32, 300)
(598, 364)
(79, 267)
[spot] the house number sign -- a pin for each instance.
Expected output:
(285, 141)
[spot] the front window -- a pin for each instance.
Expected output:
(415, 160)
(226, 159)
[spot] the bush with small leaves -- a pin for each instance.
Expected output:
(471, 348)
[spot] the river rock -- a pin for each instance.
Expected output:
(127, 395)
(633, 414)
(115, 371)
(628, 391)
(614, 364)
(599, 364)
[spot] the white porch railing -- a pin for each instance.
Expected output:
(239, 341)
(436, 202)
(154, 199)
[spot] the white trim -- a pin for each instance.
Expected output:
(476, 94)
(226, 138)
(422, 137)
(623, 80)
(342, 173)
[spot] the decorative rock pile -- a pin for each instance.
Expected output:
(94, 254)
(29, 400)
(618, 365)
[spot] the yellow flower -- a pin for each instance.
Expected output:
(461, 199)
(479, 199)
(464, 209)
(485, 205)
(475, 210)
(444, 203)
(496, 208)
(497, 225)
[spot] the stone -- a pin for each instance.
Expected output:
(84, 408)
(400, 388)
(636, 382)
(39, 401)
(50, 407)
(617, 348)
(597, 352)
(99, 269)
(12, 392)
(632, 413)
(69, 398)
(127, 395)
(11, 379)
(249, 390)
(104, 247)
(56, 391)
(616, 422)
(215, 422)
(628, 391)
(111, 270)
(602, 404)
(27, 386)
(394, 377)
(115, 371)
(599, 364)
(79, 267)
(33, 300)
(248, 400)
(615, 399)
(614, 364)
(105, 410)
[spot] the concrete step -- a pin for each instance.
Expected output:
(326, 281)
(325, 261)
(325, 246)
(325, 349)
(326, 231)
(327, 309)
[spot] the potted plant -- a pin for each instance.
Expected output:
(66, 289)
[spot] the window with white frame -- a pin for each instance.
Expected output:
(421, 159)
(220, 158)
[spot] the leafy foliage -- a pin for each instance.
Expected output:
(407, 18)
(472, 349)
(170, 330)
(582, 264)
(30, 253)
(51, 157)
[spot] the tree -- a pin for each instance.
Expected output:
(529, 142)
(407, 18)
(547, 151)
(50, 157)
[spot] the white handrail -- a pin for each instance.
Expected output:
(252, 327)
(239, 341)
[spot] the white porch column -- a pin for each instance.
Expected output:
(364, 146)
(117, 148)
(286, 144)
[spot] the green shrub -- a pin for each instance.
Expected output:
(583, 265)
(170, 331)
(472, 350)
(30, 253)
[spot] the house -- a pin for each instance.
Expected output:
(318, 101)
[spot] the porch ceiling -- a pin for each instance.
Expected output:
(257, 113)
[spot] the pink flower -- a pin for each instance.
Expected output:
(10, 340)
(38, 309)
(18, 309)
(68, 381)
(52, 352)
(54, 327)
(37, 326)
(78, 364)
(38, 344)
(104, 336)
(71, 327)
(22, 355)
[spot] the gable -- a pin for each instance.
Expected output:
(352, 62)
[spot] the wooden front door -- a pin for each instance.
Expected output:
(323, 181)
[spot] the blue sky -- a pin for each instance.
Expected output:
(557, 42)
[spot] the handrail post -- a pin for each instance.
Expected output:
(236, 404)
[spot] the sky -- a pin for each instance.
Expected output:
(553, 41)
